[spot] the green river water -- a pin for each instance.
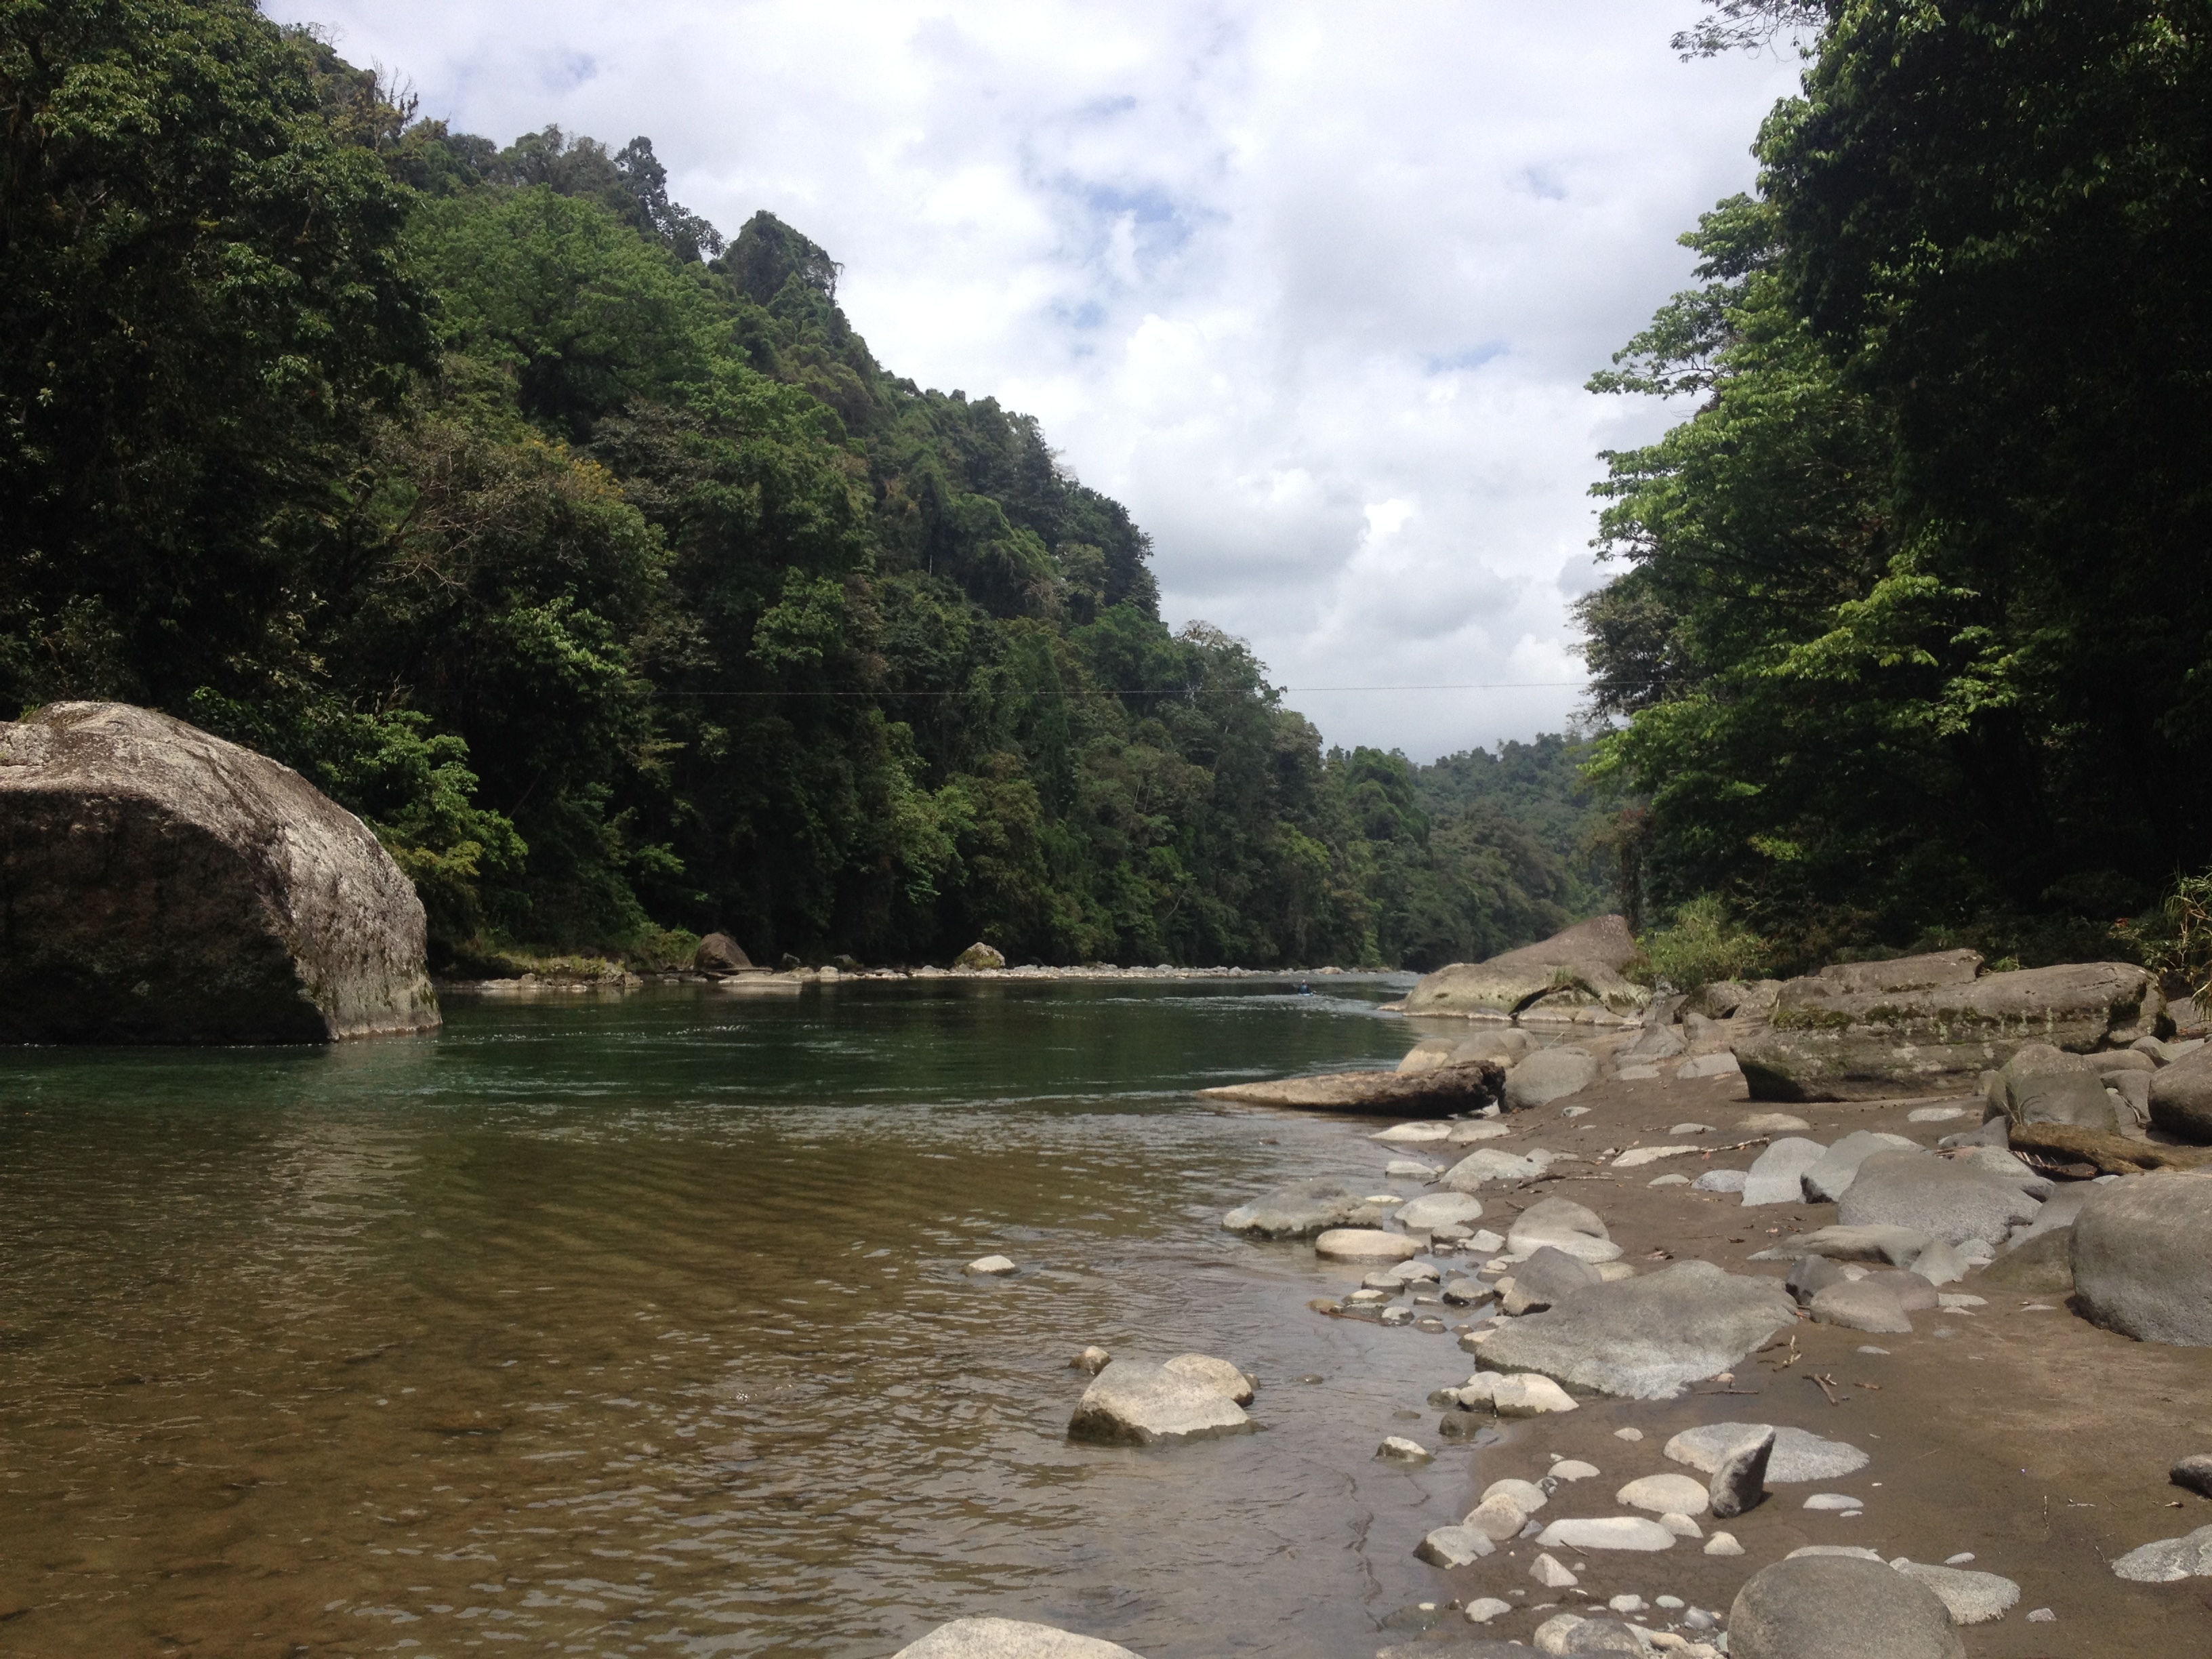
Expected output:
(636, 1326)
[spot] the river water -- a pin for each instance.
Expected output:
(636, 1326)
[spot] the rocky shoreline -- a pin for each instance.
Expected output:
(792, 979)
(1853, 1380)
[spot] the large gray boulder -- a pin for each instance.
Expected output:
(2168, 1559)
(2142, 1258)
(1650, 1337)
(1839, 1607)
(2181, 1097)
(1828, 1179)
(1953, 1202)
(2041, 1083)
(1777, 1176)
(1547, 1075)
(1547, 1279)
(1133, 1402)
(1828, 1042)
(1576, 972)
(1008, 1638)
(163, 885)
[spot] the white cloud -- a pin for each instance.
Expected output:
(1313, 288)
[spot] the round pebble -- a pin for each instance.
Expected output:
(1628, 1434)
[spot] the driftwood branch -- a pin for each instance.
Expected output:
(2112, 1154)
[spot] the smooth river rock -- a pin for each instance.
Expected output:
(1008, 1638)
(1548, 1277)
(1665, 1494)
(1487, 1164)
(1959, 1204)
(1435, 1210)
(1562, 1224)
(1611, 1532)
(1839, 1607)
(1133, 1402)
(2142, 1258)
(1861, 1305)
(1829, 1179)
(1366, 1245)
(2181, 1097)
(2168, 1559)
(1777, 1176)
(1648, 1338)
(1453, 1088)
(1224, 1378)
(1547, 1075)
(1972, 1598)
(163, 885)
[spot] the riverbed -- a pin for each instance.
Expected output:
(636, 1324)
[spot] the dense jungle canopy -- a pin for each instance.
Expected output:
(595, 562)
(1913, 643)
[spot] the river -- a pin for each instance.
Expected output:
(637, 1325)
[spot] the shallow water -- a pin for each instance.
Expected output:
(637, 1325)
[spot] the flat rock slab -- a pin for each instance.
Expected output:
(1901, 1247)
(1454, 1088)
(1798, 1456)
(1827, 1041)
(1615, 1532)
(1861, 1305)
(2168, 1559)
(1955, 1203)
(2142, 1258)
(1973, 1598)
(1366, 1245)
(1439, 1210)
(1133, 1402)
(165, 886)
(1008, 1638)
(1839, 1607)
(1300, 1210)
(1647, 1338)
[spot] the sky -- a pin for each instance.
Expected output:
(1313, 288)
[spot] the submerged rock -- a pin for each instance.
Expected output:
(1008, 1638)
(1300, 1210)
(1135, 1403)
(163, 886)
(1649, 1337)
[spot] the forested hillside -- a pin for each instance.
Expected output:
(598, 564)
(1911, 643)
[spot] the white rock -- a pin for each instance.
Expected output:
(1498, 1517)
(1551, 1575)
(1858, 1551)
(1669, 1181)
(1397, 1449)
(1131, 1402)
(1529, 1396)
(995, 1266)
(1633, 1074)
(1464, 1134)
(1723, 1543)
(1484, 1242)
(1527, 1493)
(1409, 1166)
(1455, 1547)
(1636, 1157)
(1415, 1272)
(1365, 1244)
(1612, 1531)
(1488, 1163)
(2168, 1559)
(1682, 1526)
(2042, 1616)
(1219, 1375)
(1484, 1608)
(1574, 1112)
(1414, 1134)
(1936, 1113)
(1722, 1181)
(1690, 1129)
(1573, 1468)
(1628, 1434)
(1665, 1494)
(1435, 1210)
(1626, 1604)
(1008, 1638)
(1839, 1501)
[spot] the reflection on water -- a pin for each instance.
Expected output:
(637, 1325)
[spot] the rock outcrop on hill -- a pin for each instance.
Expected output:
(158, 884)
(1928, 1025)
(1574, 976)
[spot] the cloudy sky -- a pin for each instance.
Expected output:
(1313, 287)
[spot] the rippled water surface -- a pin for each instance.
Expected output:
(637, 1325)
